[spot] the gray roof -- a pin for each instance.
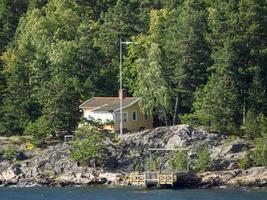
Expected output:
(107, 103)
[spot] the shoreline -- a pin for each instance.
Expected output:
(220, 179)
(53, 165)
(222, 187)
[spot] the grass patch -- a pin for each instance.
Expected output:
(230, 139)
(9, 152)
(17, 140)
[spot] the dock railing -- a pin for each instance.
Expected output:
(152, 178)
(157, 178)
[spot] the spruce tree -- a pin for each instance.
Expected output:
(236, 29)
(215, 104)
(187, 53)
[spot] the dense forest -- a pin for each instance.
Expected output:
(201, 62)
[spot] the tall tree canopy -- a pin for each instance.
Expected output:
(197, 61)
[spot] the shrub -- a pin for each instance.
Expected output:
(88, 145)
(40, 130)
(178, 161)
(9, 152)
(138, 166)
(230, 139)
(260, 152)
(202, 159)
(92, 122)
(196, 120)
(152, 164)
(255, 125)
(246, 161)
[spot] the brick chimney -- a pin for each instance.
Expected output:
(122, 94)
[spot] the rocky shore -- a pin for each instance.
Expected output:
(53, 166)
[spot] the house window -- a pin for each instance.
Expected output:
(117, 118)
(125, 117)
(134, 115)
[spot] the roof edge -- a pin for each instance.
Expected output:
(81, 106)
(127, 106)
(95, 109)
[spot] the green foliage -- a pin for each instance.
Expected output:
(203, 60)
(179, 161)
(257, 99)
(235, 84)
(187, 54)
(19, 140)
(91, 122)
(40, 130)
(99, 125)
(251, 127)
(230, 139)
(246, 161)
(48, 67)
(119, 20)
(202, 159)
(8, 152)
(215, 104)
(153, 163)
(10, 14)
(152, 89)
(36, 3)
(255, 126)
(260, 152)
(89, 144)
(138, 166)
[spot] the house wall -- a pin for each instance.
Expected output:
(103, 116)
(86, 112)
(132, 125)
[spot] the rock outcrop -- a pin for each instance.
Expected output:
(253, 177)
(53, 165)
(134, 148)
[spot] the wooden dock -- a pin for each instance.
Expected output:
(148, 179)
(158, 178)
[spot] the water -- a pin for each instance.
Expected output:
(108, 193)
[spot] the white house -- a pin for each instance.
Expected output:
(107, 109)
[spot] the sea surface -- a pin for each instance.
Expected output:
(123, 193)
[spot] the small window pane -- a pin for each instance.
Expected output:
(117, 118)
(124, 117)
(134, 116)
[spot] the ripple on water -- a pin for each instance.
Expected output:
(128, 193)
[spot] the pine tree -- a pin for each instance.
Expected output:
(215, 104)
(209, 54)
(10, 13)
(236, 29)
(18, 104)
(187, 53)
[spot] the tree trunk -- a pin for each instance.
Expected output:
(244, 112)
(177, 107)
(174, 119)
(166, 120)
